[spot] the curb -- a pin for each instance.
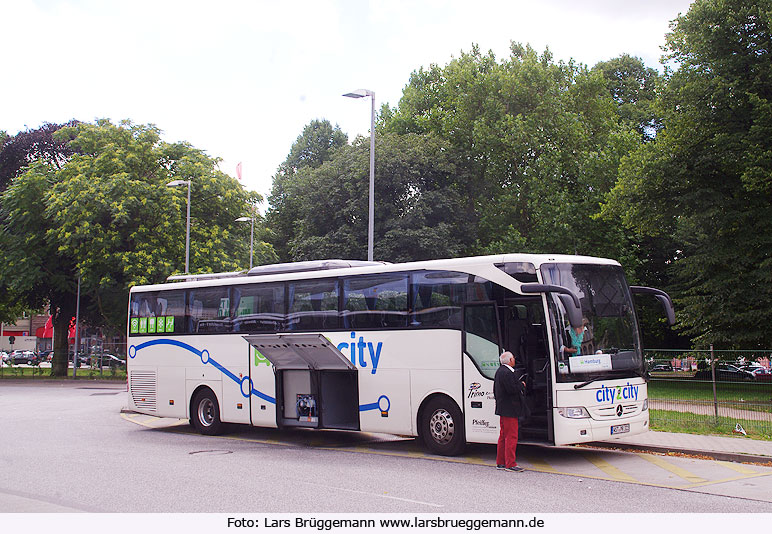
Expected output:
(715, 455)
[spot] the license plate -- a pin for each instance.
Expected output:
(620, 429)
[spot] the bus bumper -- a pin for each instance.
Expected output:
(569, 431)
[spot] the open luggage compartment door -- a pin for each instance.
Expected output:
(316, 386)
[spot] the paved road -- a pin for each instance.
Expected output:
(67, 447)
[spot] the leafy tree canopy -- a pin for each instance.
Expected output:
(107, 215)
(18, 151)
(539, 144)
(704, 183)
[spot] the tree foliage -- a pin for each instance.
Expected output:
(419, 213)
(32, 145)
(634, 88)
(107, 216)
(539, 143)
(313, 147)
(704, 183)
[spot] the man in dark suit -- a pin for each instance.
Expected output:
(508, 390)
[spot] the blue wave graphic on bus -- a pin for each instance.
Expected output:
(247, 388)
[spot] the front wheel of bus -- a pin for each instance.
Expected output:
(205, 413)
(442, 427)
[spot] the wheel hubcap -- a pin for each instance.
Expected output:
(442, 426)
(206, 412)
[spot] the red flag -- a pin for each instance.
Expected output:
(238, 170)
(48, 330)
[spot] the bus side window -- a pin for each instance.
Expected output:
(164, 312)
(437, 299)
(313, 305)
(375, 301)
(210, 310)
(259, 308)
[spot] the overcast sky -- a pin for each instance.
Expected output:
(240, 79)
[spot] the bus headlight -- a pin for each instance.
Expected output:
(574, 412)
(645, 404)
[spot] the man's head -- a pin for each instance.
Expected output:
(507, 358)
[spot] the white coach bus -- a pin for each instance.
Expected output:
(408, 349)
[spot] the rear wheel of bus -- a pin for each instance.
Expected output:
(205, 413)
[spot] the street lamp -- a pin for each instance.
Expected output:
(361, 93)
(177, 183)
(251, 235)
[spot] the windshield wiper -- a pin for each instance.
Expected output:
(590, 381)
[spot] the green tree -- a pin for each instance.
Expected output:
(108, 216)
(16, 152)
(633, 87)
(706, 178)
(315, 145)
(539, 144)
(418, 213)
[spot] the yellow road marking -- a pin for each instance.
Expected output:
(730, 479)
(537, 464)
(678, 471)
(607, 468)
(477, 460)
(740, 468)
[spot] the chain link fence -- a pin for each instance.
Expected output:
(711, 391)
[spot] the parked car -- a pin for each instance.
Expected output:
(107, 360)
(4, 357)
(45, 356)
(724, 372)
(19, 357)
(662, 367)
(758, 373)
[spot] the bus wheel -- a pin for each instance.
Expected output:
(442, 427)
(205, 413)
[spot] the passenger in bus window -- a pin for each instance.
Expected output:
(577, 337)
(509, 392)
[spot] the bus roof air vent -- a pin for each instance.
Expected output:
(205, 276)
(313, 265)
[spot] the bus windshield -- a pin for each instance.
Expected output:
(607, 344)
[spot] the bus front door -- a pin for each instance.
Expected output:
(525, 335)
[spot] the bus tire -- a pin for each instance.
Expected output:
(442, 427)
(205, 413)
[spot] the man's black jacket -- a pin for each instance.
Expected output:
(509, 392)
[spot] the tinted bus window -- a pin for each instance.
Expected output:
(479, 290)
(209, 310)
(159, 312)
(259, 308)
(375, 301)
(438, 297)
(313, 305)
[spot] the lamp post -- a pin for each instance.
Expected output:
(251, 235)
(361, 93)
(177, 183)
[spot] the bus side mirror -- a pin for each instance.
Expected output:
(662, 297)
(567, 297)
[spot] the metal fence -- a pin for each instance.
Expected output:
(710, 391)
(103, 360)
